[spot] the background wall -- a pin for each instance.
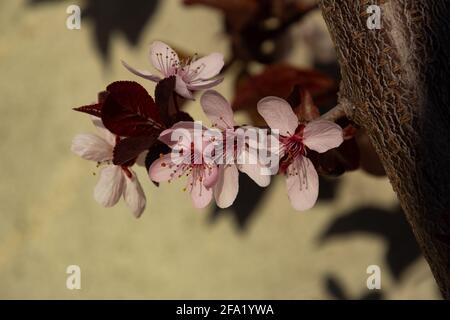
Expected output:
(49, 219)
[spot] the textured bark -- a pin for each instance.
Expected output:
(396, 82)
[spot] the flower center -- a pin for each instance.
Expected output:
(292, 147)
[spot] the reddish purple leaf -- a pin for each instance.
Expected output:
(128, 149)
(164, 97)
(129, 110)
(93, 109)
(337, 161)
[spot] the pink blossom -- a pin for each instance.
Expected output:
(115, 181)
(187, 159)
(219, 111)
(318, 135)
(191, 75)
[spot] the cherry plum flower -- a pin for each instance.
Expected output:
(186, 159)
(219, 112)
(191, 75)
(295, 140)
(115, 181)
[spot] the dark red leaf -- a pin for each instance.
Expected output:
(303, 105)
(164, 97)
(129, 110)
(93, 109)
(337, 161)
(279, 80)
(128, 149)
(180, 116)
(102, 96)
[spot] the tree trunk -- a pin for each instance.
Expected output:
(396, 80)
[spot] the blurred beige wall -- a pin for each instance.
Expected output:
(49, 219)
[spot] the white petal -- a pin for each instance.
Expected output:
(204, 84)
(278, 115)
(217, 109)
(91, 147)
(207, 67)
(182, 89)
(110, 186)
(141, 73)
(227, 187)
(103, 132)
(302, 184)
(322, 135)
(163, 58)
(134, 195)
(249, 164)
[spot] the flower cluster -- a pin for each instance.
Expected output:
(134, 129)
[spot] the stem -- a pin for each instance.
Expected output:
(343, 109)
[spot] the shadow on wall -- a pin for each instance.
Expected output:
(391, 226)
(250, 196)
(110, 16)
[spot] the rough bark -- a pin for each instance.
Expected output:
(396, 81)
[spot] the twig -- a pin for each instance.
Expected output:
(343, 109)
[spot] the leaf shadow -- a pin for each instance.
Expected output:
(390, 225)
(336, 289)
(250, 196)
(110, 16)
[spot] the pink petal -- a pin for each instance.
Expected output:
(217, 109)
(211, 176)
(181, 132)
(110, 186)
(302, 184)
(163, 58)
(200, 195)
(278, 115)
(134, 195)
(182, 89)
(91, 147)
(141, 73)
(162, 169)
(227, 187)
(249, 164)
(207, 67)
(322, 135)
(204, 84)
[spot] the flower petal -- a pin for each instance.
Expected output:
(217, 109)
(207, 67)
(302, 184)
(227, 187)
(103, 132)
(278, 115)
(249, 164)
(91, 147)
(164, 58)
(141, 73)
(204, 84)
(322, 135)
(134, 195)
(181, 132)
(200, 195)
(182, 89)
(110, 186)
(162, 169)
